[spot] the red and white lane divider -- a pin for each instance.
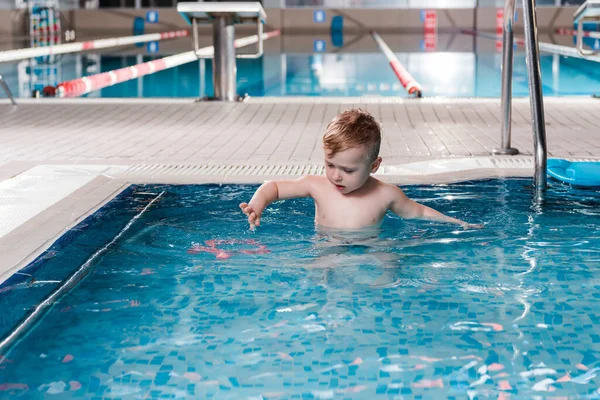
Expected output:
(81, 86)
(571, 32)
(21, 54)
(566, 51)
(499, 28)
(405, 78)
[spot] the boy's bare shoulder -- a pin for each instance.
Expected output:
(314, 179)
(389, 191)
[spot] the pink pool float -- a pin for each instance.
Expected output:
(211, 246)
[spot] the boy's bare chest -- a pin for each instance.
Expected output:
(347, 212)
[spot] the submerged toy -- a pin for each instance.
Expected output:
(211, 247)
(578, 173)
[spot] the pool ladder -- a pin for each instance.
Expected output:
(535, 90)
(7, 91)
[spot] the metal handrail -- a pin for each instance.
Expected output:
(7, 91)
(535, 89)
(580, 35)
(536, 98)
(507, 72)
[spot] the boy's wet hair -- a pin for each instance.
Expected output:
(353, 128)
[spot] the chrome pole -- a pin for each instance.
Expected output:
(224, 70)
(507, 71)
(140, 80)
(202, 62)
(195, 35)
(536, 98)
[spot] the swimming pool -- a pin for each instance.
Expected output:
(462, 69)
(424, 310)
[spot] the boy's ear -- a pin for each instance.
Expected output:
(375, 165)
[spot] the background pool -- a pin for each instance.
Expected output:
(426, 310)
(460, 66)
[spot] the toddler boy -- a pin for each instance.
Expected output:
(348, 197)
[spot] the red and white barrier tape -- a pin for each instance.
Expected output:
(81, 86)
(405, 78)
(571, 32)
(566, 51)
(21, 54)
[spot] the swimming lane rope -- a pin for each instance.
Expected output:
(81, 86)
(405, 78)
(571, 32)
(566, 51)
(21, 54)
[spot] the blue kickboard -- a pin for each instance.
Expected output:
(576, 173)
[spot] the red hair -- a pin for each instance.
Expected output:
(353, 128)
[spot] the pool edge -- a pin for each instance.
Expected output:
(31, 239)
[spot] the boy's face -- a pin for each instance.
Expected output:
(348, 170)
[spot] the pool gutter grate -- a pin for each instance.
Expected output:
(441, 170)
(157, 170)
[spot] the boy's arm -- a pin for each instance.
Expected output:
(404, 207)
(272, 191)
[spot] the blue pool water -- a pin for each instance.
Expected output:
(441, 73)
(425, 310)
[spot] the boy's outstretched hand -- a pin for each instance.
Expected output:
(252, 213)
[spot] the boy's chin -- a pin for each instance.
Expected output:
(347, 190)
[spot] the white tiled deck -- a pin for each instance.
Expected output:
(276, 131)
(178, 141)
